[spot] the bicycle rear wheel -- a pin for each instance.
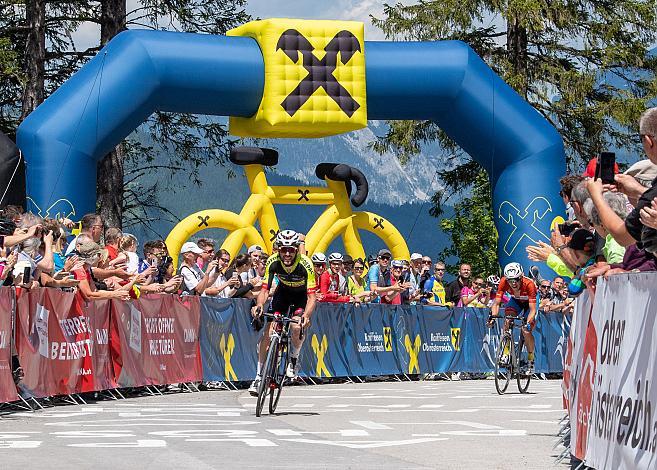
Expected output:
(265, 383)
(279, 378)
(504, 370)
(522, 377)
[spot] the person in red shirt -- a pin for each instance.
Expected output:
(112, 238)
(332, 282)
(523, 300)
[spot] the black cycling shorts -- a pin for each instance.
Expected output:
(284, 299)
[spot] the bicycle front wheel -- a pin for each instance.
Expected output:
(522, 377)
(279, 378)
(503, 369)
(265, 383)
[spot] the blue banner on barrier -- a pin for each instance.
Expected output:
(373, 339)
(228, 342)
(323, 354)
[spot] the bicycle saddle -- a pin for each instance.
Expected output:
(346, 173)
(253, 156)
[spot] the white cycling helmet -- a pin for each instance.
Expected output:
(319, 258)
(513, 271)
(287, 238)
(335, 257)
(493, 279)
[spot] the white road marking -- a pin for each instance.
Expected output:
(100, 433)
(491, 433)
(19, 444)
(342, 432)
(303, 405)
(424, 410)
(370, 425)
(368, 444)
(119, 445)
(247, 441)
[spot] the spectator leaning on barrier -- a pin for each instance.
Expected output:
(112, 239)
(347, 266)
(398, 289)
(434, 289)
(630, 231)
(357, 287)
(88, 252)
(612, 251)
(195, 281)
(476, 295)
(90, 225)
(331, 282)
(454, 288)
(223, 287)
(379, 276)
(244, 289)
(319, 266)
(207, 246)
(425, 270)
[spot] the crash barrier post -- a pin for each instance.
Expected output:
(67, 346)
(609, 373)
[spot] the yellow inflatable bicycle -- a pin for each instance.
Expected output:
(337, 220)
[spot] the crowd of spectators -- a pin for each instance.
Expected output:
(611, 228)
(102, 262)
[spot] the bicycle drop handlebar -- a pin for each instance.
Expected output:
(508, 317)
(277, 316)
(347, 174)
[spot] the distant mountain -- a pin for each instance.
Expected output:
(390, 183)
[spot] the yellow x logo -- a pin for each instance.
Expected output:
(227, 348)
(320, 350)
(456, 338)
(413, 350)
(387, 338)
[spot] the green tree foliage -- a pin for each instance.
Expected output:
(188, 141)
(584, 65)
(472, 231)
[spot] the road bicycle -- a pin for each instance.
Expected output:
(278, 358)
(513, 363)
(338, 219)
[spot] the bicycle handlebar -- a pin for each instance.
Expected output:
(253, 156)
(346, 174)
(507, 317)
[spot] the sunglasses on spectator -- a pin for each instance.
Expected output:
(544, 287)
(225, 260)
(209, 252)
(359, 268)
(287, 249)
(442, 270)
(387, 258)
(426, 262)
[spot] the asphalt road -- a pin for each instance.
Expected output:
(381, 425)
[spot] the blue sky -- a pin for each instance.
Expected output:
(88, 34)
(358, 10)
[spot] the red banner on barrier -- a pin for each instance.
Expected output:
(7, 387)
(57, 339)
(155, 340)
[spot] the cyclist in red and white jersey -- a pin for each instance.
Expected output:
(522, 291)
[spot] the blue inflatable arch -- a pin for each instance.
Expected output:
(140, 72)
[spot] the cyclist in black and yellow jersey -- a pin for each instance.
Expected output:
(295, 291)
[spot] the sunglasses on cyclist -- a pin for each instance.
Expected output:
(287, 249)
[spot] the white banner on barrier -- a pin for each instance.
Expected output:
(578, 375)
(622, 408)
